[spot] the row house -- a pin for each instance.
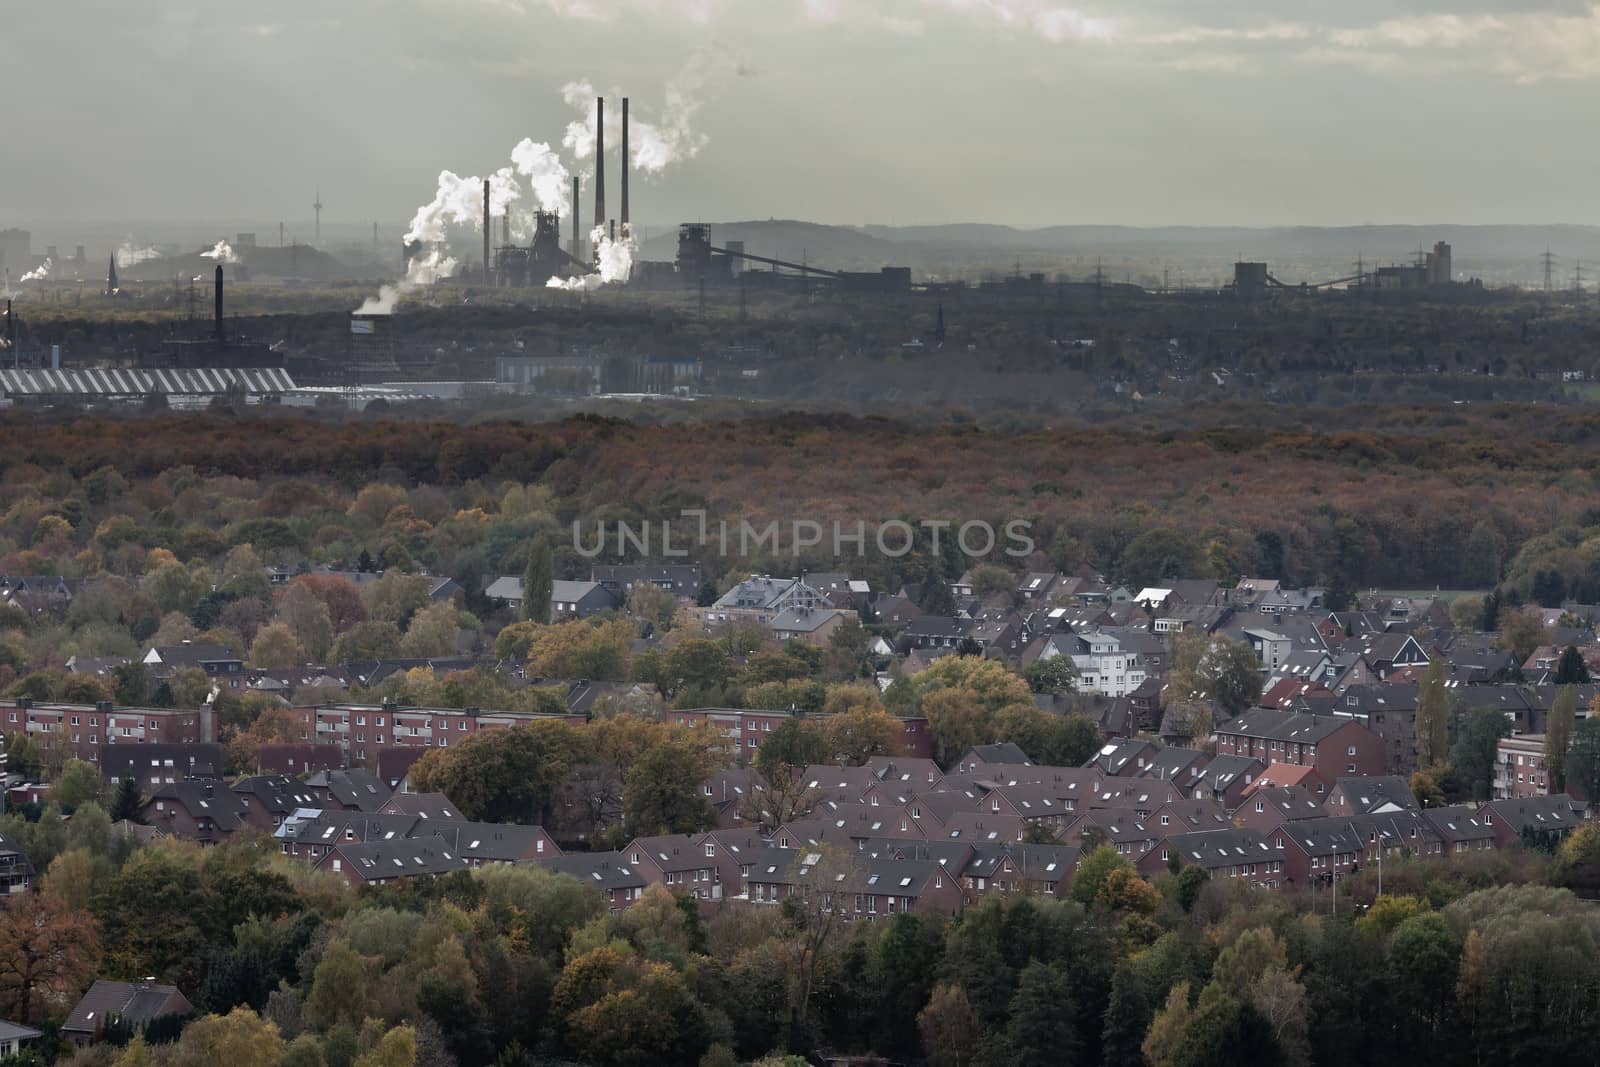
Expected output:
(1314, 851)
(206, 812)
(618, 882)
(1271, 806)
(269, 799)
(378, 863)
(1122, 830)
(311, 833)
(485, 844)
(348, 790)
(1035, 870)
(1371, 796)
(684, 863)
(86, 730)
(1335, 746)
(1241, 854)
(1125, 759)
(1550, 816)
(1004, 753)
(1460, 828)
(1192, 816)
(864, 888)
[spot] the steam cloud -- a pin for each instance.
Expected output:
(130, 255)
(614, 262)
(38, 274)
(222, 252)
(653, 145)
(538, 179)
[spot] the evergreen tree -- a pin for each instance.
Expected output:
(1558, 736)
(1433, 718)
(1041, 1032)
(538, 582)
(1491, 613)
(935, 597)
(127, 804)
(1570, 669)
(1126, 1020)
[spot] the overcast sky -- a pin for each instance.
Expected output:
(1028, 112)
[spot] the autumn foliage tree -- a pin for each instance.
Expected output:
(48, 954)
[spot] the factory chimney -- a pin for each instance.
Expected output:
(577, 237)
(600, 161)
(488, 228)
(218, 312)
(625, 168)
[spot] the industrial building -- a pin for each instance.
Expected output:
(698, 263)
(1429, 270)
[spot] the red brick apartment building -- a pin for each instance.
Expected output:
(86, 729)
(745, 730)
(1336, 747)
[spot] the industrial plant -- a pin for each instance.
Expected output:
(512, 316)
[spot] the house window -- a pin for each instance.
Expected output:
(336, 865)
(711, 850)
(1351, 751)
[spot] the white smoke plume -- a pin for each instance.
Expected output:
(38, 274)
(614, 262)
(653, 145)
(545, 172)
(222, 252)
(423, 270)
(130, 254)
(458, 201)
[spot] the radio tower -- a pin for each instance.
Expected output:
(317, 207)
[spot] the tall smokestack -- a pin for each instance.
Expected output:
(577, 237)
(626, 166)
(488, 226)
(600, 161)
(218, 300)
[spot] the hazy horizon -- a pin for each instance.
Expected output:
(1028, 113)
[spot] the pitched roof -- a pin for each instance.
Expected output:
(1004, 752)
(604, 870)
(1283, 726)
(1212, 849)
(1458, 823)
(399, 858)
(1556, 812)
(138, 1002)
(1371, 794)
